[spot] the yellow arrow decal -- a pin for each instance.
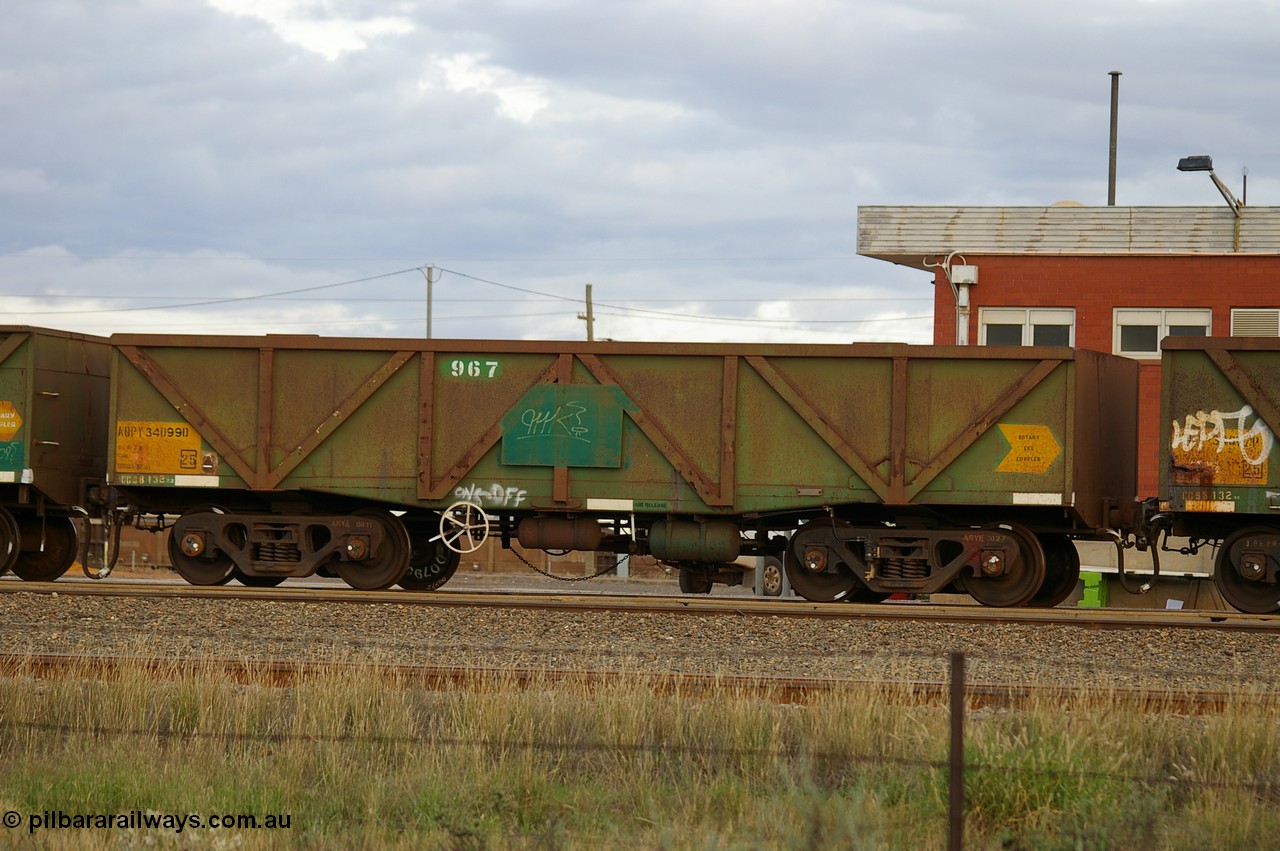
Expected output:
(1032, 448)
(10, 420)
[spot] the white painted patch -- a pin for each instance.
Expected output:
(610, 505)
(1037, 499)
(196, 481)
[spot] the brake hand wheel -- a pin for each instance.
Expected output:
(464, 527)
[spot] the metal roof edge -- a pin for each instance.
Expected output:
(910, 234)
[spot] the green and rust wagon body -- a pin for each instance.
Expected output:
(874, 468)
(53, 444)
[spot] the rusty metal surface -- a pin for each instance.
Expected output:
(1220, 402)
(778, 689)
(694, 606)
(53, 414)
(644, 428)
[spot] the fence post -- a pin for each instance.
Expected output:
(955, 840)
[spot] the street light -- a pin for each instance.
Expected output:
(1200, 162)
(1204, 162)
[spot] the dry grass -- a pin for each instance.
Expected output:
(361, 759)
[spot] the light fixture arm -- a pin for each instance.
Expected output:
(1204, 162)
(1226, 193)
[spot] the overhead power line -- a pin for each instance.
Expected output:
(685, 317)
(232, 299)
(622, 308)
(729, 320)
(448, 300)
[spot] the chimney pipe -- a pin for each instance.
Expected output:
(1115, 116)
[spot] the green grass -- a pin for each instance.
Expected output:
(361, 760)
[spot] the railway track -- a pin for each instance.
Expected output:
(779, 649)
(782, 690)
(693, 605)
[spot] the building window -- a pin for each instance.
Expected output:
(1032, 326)
(1138, 332)
(1255, 322)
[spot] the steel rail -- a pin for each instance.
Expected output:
(782, 690)
(705, 606)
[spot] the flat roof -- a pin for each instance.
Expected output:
(911, 235)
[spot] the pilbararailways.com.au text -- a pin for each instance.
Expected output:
(144, 820)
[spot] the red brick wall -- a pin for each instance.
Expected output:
(1093, 286)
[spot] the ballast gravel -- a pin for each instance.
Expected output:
(729, 644)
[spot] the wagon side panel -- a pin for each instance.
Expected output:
(671, 429)
(990, 431)
(1220, 406)
(53, 413)
(1043, 431)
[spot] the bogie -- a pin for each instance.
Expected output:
(830, 560)
(369, 549)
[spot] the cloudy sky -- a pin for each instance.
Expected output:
(289, 166)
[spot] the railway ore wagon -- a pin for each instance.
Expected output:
(871, 469)
(53, 444)
(1217, 483)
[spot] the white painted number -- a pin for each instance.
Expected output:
(460, 368)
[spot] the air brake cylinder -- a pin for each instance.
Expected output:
(682, 540)
(559, 533)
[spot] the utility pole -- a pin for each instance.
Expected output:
(429, 273)
(589, 317)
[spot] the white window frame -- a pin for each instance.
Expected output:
(1028, 318)
(1159, 317)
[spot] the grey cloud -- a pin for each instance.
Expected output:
(684, 151)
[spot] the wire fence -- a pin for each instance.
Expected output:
(962, 770)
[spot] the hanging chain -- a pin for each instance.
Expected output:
(598, 573)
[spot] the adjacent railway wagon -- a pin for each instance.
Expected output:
(1217, 480)
(53, 444)
(871, 469)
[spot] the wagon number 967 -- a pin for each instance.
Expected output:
(461, 368)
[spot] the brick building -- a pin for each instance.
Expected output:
(1112, 279)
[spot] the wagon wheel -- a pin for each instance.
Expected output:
(813, 578)
(250, 581)
(192, 558)
(1022, 578)
(57, 554)
(8, 541)
(464, 527)
(431, 562)
(199, 567)
(1241, 576)
(1061, 571)
(388, 564)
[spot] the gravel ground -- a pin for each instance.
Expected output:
(729, 644)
